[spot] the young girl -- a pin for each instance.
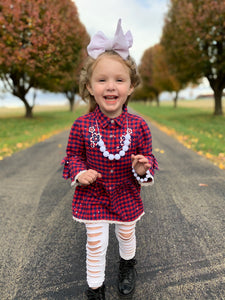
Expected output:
(109, 156)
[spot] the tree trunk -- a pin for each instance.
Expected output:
(217, 87)
(175, 99)
(157, 100)
(70, 95)
(20, 90)
(29, 109)
(218, 111)
(71, 104)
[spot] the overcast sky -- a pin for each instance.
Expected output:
(144, 18)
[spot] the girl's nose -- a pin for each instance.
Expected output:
(110, 86)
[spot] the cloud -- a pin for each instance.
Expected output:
(143, 17)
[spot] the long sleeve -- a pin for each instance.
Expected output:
(75, 160)
(145, 146)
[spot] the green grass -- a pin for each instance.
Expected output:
(17, 132)
(196, 127)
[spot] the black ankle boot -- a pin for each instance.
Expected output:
(97, 294)
(127, 277)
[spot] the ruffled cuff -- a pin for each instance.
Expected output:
(66, 171)
(72, 166)
(154, 163)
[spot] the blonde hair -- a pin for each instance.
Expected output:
(86, 73)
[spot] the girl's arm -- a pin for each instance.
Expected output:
(75, 160)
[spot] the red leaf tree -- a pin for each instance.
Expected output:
(194, 39)
(36, 40)
(65, 76)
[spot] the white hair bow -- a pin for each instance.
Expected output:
(120, 43)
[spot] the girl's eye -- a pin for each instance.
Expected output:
(101, 80)
(120, 80)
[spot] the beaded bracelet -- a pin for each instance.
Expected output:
(142, 179)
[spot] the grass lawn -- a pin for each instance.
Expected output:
(17, 132)
(192, 123)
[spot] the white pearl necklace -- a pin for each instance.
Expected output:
(118, 155)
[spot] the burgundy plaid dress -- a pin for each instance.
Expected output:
(115, 197)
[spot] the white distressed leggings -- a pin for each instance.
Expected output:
(96, 247)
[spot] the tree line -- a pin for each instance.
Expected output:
(192, 46)
(43, 45)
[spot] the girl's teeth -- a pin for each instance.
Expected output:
(110, 98)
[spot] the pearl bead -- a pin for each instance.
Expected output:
(127, 136)
(122, 153)
(105, 153)
(117, 156)
(126, 142)
(101, 143)
(125, 148)
(102, 148)
(111, 157)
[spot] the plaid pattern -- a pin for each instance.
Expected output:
(116, 196)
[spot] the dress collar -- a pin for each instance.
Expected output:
(104, 121)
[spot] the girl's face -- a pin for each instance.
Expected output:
(110, 85)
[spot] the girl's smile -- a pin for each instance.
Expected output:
(110, 85)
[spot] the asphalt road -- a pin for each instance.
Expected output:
(181, 241)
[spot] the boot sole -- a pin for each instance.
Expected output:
(129, 296)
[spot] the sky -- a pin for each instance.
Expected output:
(144, 18)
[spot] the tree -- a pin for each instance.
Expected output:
(193, 36)
(35, 41)
(155, 74)
(66, 79)
(70, 82)
(142, 93)
(146, 72)
(164, 80)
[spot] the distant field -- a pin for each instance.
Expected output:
(207, 103)
(20, 111)
(192, 123)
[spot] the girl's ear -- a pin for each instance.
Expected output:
(88, 86)
(130, 90)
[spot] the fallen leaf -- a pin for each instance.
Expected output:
(222, 166)
(19, 145)
(202, 184)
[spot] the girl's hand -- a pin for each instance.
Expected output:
(88, 177)
(140, 164)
